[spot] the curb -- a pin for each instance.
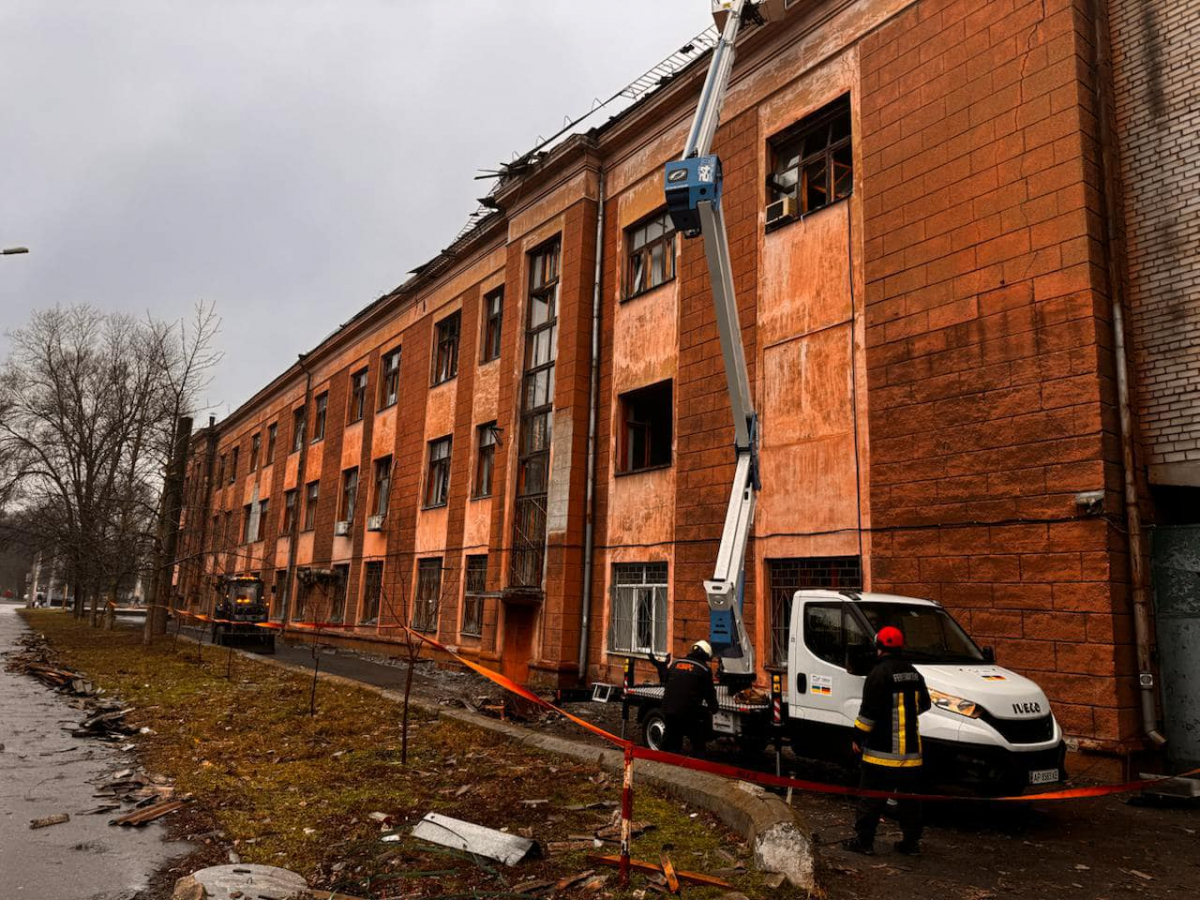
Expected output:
(782, 841)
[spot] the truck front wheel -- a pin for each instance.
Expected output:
(654, 729)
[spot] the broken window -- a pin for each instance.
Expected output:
(813, 162)
(429, 588)
(255, 449)
(486, 460)
(358, 395)
(493, 318)
(233, 464)
(372, 590)
(349, 494)
(650, 248)
(298, 420)
(638, 617)
(271, 431)
(476, 584)
(319, 417)
(257, 522)
(289, 512)
(437, 478)
(337, 593)
(790, 575)
(647, 418)
(247, 516)
(383, 485)
(389, 385)
(445, 363)
(311, 495)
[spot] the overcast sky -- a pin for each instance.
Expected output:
(289, 160)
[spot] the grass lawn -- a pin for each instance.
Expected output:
(288, 789)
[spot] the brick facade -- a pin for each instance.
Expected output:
(931, 356)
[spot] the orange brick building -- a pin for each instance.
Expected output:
(930, 346)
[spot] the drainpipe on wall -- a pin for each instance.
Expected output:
(1133, 516)
(589, 525)
(293, 538)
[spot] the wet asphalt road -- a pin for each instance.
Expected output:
(44, 771)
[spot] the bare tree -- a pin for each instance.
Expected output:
(89, 403)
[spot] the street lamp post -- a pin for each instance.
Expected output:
(13, 251)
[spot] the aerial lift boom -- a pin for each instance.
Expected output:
(693, 193)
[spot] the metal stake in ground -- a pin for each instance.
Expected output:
(626, 683)
(626, 817)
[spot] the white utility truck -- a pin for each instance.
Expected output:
(989, 727)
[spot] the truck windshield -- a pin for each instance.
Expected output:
(246, 592)
(930, 634)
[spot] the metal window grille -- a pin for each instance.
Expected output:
(790, 575)
(429, 588)
(638, 616)
(372, 589)
(337, 601)
(476, 584)
(651, 253)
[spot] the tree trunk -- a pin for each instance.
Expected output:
(168, 533)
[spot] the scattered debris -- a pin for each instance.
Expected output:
(571, 846)
(656, 869)
(475, 839)
(248, 881)
(149, 814)
(1137, 874)
(57, 819)
(534, 888)
(571, 880)
(669, 873)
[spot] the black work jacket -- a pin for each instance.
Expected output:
(689, 688)
(894, 695)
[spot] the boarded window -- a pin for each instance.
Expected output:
(638, 617)
(790, 575)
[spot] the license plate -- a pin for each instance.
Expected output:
(1043, 776)
(725, 723)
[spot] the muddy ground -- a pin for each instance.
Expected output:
(1098, 848)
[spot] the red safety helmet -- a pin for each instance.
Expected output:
(889, 638)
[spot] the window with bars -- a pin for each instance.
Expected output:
(650, 248)
(389, 385)
(790, 575)
(437, 477)
(319, 417)
(383, 485)
(638, 614)
(476, 585)
(372, 591)
(493, 319)
(429, 588)
(298, 420)
(349, 494)
(485, 460)
(445, 360)
(648, 417)
(813, 161)
(358, 395)
(337, 593)
(312, 494)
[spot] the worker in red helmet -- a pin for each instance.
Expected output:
(888, 737)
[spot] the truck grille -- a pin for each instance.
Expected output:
(1022, 731)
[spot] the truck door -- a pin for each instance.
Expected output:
(826, 636)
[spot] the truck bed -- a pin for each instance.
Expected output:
(725, 699)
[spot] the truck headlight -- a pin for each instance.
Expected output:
(953, 704)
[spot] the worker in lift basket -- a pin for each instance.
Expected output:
(689, 701)
(888, 737)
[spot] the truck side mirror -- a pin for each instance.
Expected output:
(989, 654)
